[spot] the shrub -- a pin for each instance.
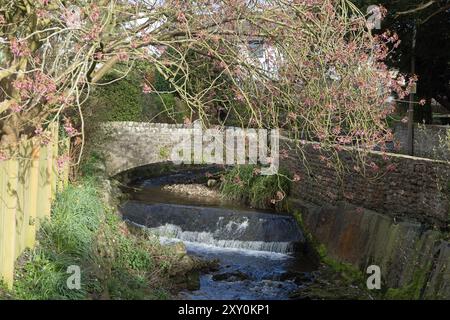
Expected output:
(244, 184)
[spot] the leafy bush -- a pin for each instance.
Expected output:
(244, 184)
(164, 107)
(118, 101)
(123, 100)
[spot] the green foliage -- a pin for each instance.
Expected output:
(76, 217)
(237, 183)
(164, 152)
(44, 277)
(160, 83)
(119, 101)
(123, 100)
(83, 232)
(92, 165)
(243, 184)
(164, 107)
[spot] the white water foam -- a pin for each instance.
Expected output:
(205, 248)
(170, 231)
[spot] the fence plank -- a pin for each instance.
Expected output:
(3, 240)
(31, 197)
(44, 186)
(21, 214)
(28, 184)
(9, 193)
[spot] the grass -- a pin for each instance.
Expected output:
(244, 184)
(114, 263)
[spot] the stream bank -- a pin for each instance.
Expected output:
(259, 254)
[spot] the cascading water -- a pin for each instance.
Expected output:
(255, 249)
(218, 227)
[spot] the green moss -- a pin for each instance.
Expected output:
(164, 152)
(348, 272)
(411, 291)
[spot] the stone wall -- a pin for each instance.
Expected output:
(413, 188)
(410, 256)
(397, 221)
(430, 141)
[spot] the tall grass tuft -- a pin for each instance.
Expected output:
(114, 263)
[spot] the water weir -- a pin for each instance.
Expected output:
(218, 227)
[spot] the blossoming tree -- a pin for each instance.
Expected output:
(320, 73)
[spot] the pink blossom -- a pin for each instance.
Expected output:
(70, 130)
(239, 97)
(38, 131)
(146, 88)
(19, 48)
(391, 167)
(181, 17)
(123, 56)
(374, 166)
(98, 55)
(336, 130)
(3, 156)
(15, 107)
(95, 14)
(60, 162)
(284, 154)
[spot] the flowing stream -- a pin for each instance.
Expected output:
(258, 252)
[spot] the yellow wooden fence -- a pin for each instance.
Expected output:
(28, 183)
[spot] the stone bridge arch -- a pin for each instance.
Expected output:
(128, 145)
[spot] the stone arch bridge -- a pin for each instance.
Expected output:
(127, 145)
(392, 221)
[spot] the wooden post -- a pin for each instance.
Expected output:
(31, 197)
(8, 232)
(21, 213)
(3, 199)
(44, 186)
